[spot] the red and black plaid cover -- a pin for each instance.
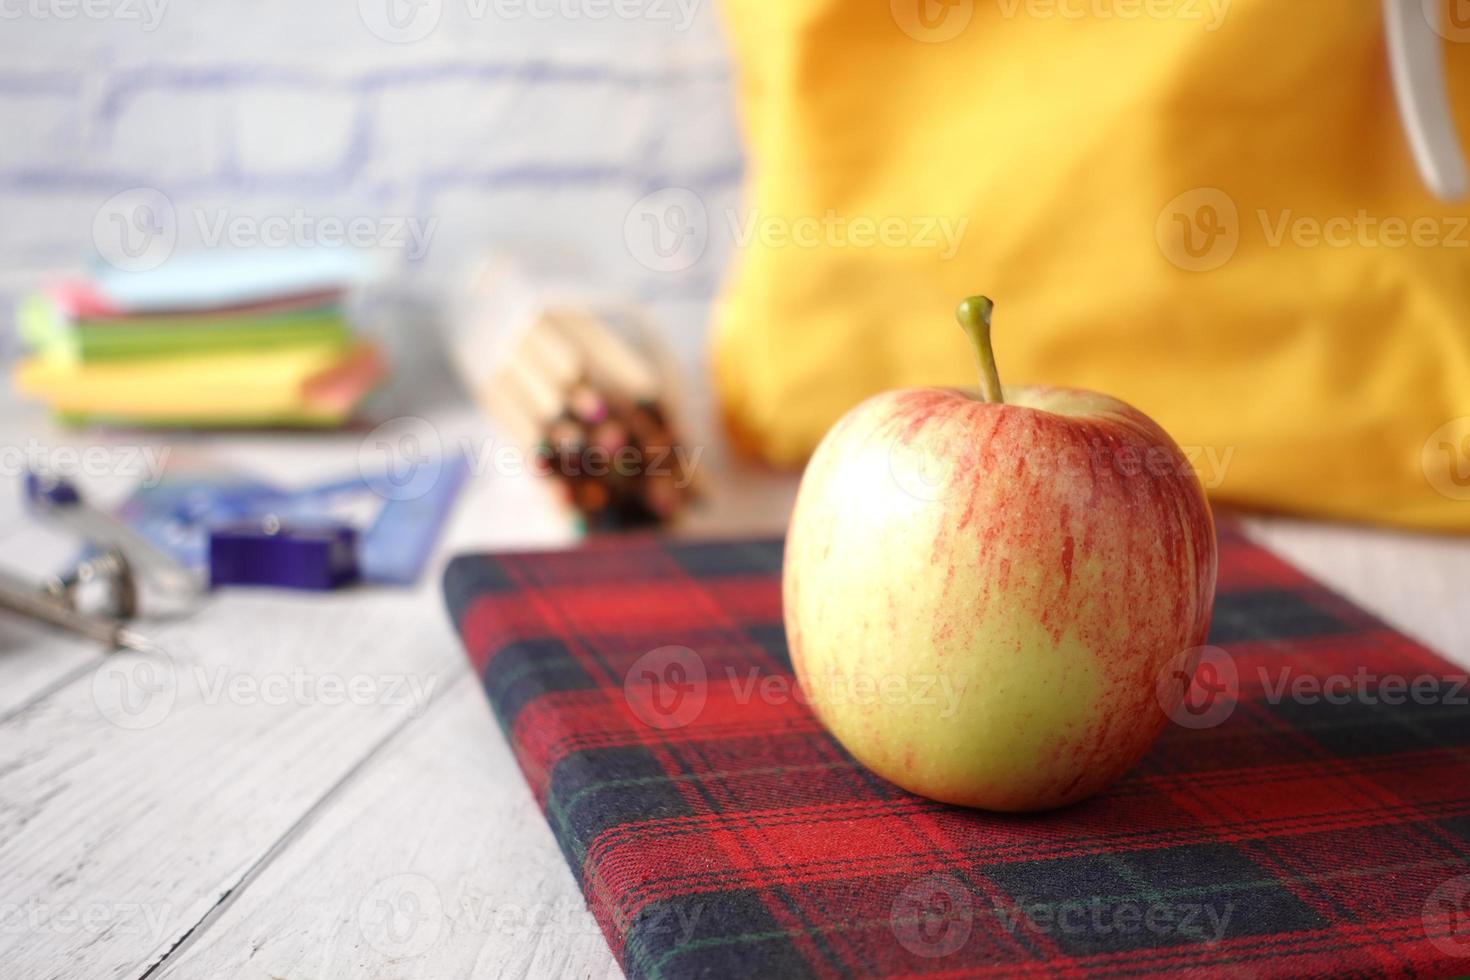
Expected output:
(716, 830)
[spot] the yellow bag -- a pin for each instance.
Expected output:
(1207, 208)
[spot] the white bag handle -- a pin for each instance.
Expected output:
(1416, 59)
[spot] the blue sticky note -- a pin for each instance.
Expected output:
(217, 278)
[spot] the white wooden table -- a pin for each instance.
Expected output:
(248, 819)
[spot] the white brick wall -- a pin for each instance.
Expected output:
(281, 130)
(532, 125)
(39, 129)
(164, 136)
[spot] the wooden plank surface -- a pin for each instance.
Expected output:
(434, 861)
(138, 796)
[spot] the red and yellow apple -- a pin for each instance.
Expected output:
(982, 588)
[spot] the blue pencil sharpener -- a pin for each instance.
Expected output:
(266, 552)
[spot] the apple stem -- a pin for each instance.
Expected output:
(974, 316)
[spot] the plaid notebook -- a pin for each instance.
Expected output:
(1308, 815)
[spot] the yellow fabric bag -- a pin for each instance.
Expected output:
(1207, 208)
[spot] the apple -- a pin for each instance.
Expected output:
(990, 593)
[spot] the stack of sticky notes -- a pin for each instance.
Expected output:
(210, 339)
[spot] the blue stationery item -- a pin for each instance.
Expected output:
(267, 552)
(210, 279)
(394, 537)
(397, 545)
(45, 492)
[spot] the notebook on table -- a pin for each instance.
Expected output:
(716, 830)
